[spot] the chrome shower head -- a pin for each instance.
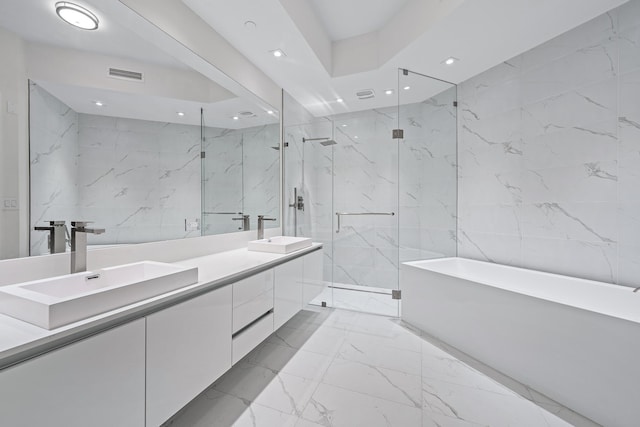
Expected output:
(324, 141)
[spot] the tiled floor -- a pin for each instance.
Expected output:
(330, 367)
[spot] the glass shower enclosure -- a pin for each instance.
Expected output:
(376, 186)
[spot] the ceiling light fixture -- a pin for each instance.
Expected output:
(388, 92)
(450, 60)
(406, 87)
(344, 125)
(235, 117)
(77, 16)
(98, 103)
(340, 100)
(180, 113)
(355, 137)
(250, 25)
(278, 53)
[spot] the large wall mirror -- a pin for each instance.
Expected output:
(123, 134)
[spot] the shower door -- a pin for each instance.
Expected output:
(365, 216)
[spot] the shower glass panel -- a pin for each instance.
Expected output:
(374, 199)
(428, 167)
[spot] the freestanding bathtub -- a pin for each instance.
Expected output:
(576, 341)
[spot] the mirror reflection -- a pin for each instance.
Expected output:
(122, 134)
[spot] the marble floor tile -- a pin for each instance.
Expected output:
(216, 409)
(375, 381)
(337, 407)
(282, 392)
(309, 337)
(302, 363)
(479, 406)
(379, 351)
(330, 367)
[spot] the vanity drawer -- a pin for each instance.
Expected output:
(249, 338)
(252, 298)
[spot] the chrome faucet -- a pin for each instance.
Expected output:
(79, 232)
(57, 233)
(261, 220)
(246, 224)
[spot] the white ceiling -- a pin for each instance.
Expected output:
(321, 66)
(334, 47)
(344, 19)
(72, 65)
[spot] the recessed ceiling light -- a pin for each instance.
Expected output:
(235, 117)
(355, 136)
(250, 25)
(388, 92)
(180, 113)
(278, 53)
(339, 100)
(343, 125)
(98, 103)
(270, 112)
(406, 87)
(76, 15)
(450, 60)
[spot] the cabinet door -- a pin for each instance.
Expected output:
(313, 285)
(188, 348)
(252, 298)
(287, 291)
(98, 381)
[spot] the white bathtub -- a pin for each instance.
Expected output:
(576, 341)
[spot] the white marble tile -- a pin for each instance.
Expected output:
(492, 247)
(216, 409)
(478, 406)
(302, 363)
(379, 352)
(283, 392)
(334, 406)
(310, 337)
(374, 381)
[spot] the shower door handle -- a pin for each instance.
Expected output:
(339, 214)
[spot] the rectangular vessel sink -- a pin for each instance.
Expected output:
(58, 301)
(280, 244)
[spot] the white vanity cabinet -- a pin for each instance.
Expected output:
(287, 291)
(312, 282)
(252, 298)
(188, 348)
(98, 381)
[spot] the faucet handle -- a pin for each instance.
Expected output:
(80, 223)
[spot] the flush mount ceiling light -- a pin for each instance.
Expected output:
(450, 60)
(388, 92)
(278, 53)
(406, 87)
(76, 15)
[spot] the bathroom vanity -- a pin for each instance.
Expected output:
(140, 364)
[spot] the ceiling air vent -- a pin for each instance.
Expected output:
(117, 73)
(365, 94)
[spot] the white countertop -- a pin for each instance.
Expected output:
(21, 340)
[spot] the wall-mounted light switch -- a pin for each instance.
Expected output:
(9, 204)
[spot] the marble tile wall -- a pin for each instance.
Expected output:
(368, 171)
(549, 154)
(54, 158)
(138, 179)
(241, 174)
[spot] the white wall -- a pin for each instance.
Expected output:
(13, 147)
(549, 154)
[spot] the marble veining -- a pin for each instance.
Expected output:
(333, 368)
(553, 137)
